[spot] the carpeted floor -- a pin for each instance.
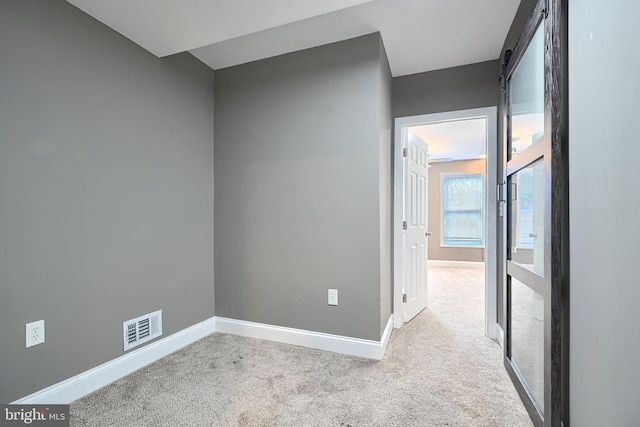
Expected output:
(439, 370)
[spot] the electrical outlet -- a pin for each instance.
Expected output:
(34, 333)
(333, 297)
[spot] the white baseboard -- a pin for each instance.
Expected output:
(89, 381)
(318, 340)
(500, 334)
(386, 335)
(455, 264)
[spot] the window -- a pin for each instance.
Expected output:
(462, 223)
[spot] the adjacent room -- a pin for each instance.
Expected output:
(457, 207)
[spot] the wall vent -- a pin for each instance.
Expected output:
(142, 329)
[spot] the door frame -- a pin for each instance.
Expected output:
(491, 208)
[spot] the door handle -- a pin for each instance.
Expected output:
(428, 234)
(533, 235)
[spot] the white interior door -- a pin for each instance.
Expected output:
(415, 225)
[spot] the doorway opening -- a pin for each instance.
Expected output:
(459, 204)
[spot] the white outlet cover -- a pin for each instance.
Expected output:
(34, 333)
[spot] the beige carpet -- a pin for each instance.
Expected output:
(439, 370)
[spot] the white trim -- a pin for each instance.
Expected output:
(491, 212)
(500, 335)
(318, 340)
(89, 381)
(455, 264)
(491, 226)
(386, 335)
(398, 217)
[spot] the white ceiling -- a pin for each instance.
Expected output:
(454, 140)
(419, 35)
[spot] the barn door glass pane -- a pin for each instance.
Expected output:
(526, 97)
(527, 337)
(527, 217)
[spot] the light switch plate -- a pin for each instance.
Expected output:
(333, 297)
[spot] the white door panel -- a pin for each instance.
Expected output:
(415, 236)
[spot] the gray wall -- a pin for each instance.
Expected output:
(297, 194)
(436, 252)
(386, 191)
(603, 126)
(107, 191)
(451, 89)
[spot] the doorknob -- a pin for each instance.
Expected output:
(427, 234)
(533, 235)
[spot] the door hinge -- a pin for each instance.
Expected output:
(404, 225)
(404, 297)
(500, 193)
(404, 152)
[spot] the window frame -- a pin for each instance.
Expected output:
(443, 177)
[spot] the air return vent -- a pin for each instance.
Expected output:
(142, 329)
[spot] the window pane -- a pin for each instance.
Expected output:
(526, 219)
(463, 228)
(527, 337)
(526, 97)
(462, 210)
